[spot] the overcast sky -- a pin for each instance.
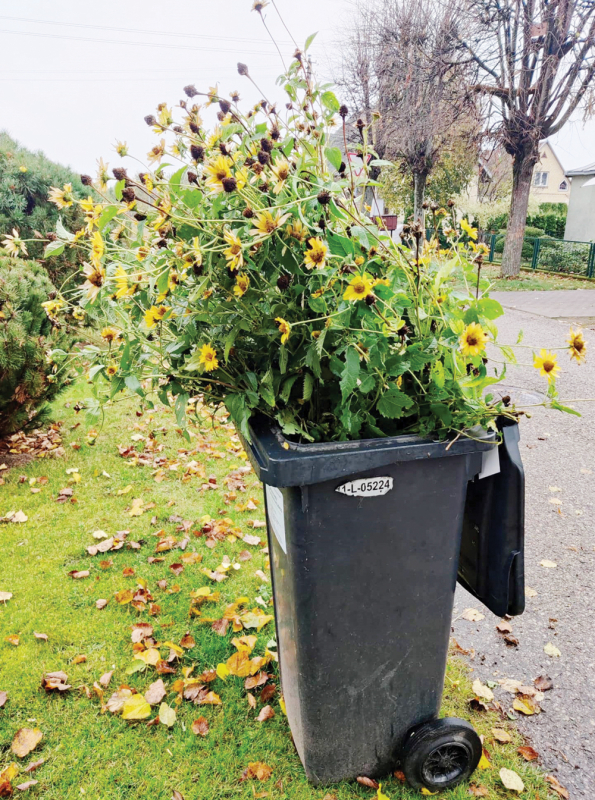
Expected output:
(77, 76)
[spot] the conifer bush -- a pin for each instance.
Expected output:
(33, 345)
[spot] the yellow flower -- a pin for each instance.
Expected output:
(266, 223)
(92, 212)
(218, 170)
(241, 176)
(111, 370)
(360, 286)
(14, 244)
(473, 340)
(297, 230)
(79, 314)
(547, 364)
(154, 315)
(52, 307)
(174, 280)
(316, 255)
(123, 289)
(95, 279)
(471, 232)
(63, 198)
(102, 173)
(22, 168)
(97, 248)
(156, 153)
(233, 254)
(242, 284)
(110, 334)
(213, 94)
(359, 261)
(284, 329)
(208, 357)
(165, 118)
(280, 170)
(121, 148)
(381, 282)
(577, 345)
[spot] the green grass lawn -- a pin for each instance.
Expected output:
(99, 756)
(530, 280)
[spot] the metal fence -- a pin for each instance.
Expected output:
(547, 253)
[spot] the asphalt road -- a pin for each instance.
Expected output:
(558, 452)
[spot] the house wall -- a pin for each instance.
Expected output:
(580, 222)
(548, 163)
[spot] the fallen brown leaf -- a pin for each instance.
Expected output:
(106, 678)
(34, 765)
(257, 770)
(101, 603)
(42, 636)
(78, 574)
(26, 740)
(472, 615)
(22, 787)
(369, 782)
(543, 683)
(557, 787)
(266, 713)
(3, 698)
(528, 753)
(501, 736)
(200, 727)
(55, 682)
(156, 692)
(478, 791)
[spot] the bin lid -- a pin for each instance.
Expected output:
(280, 462)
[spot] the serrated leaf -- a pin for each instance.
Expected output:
(334, 156)
(308, 387)
(350, 373)
(394, 403)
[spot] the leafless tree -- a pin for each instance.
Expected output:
(537, 59)
(400, 61)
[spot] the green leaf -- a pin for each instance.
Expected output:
(442, 412)
(350, 373)
(334, 156)
(53, 249)
(489, 308)
(457, 326)
(239, 412)
(559, 407)
(361, 234)
(308, 387)
(134, 385)
(119, 188)
(107, 216)
(329, 100)
(62, 232)
(394, 402)
(180, 408)
(267, 391)
(309, 40)
(287, 387)
(283, 359)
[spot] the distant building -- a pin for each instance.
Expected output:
(580, 222)
(550, 184)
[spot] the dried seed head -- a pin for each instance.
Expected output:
(450, 203)
(150, 120)
(283, 282)
(370, 299)
(343, 111)
(229, 184)
(140, 217)
(425, 205)
(128, 195)
(194, 128)
(434, 207)
(190, 90)
(192, 177)
(178, 129)
(266, 144)
(360, 125)
(51, 236)
(119, 173)
(324, 197)
(264, 187)
(162, 243)
(298, 55)
(248, 213)
(235, 96)
(197, 152)
(243, 69)
(225, 106)
(275, 133)
(263, 157)
(86, 180)
(322, 223)
(223, 149)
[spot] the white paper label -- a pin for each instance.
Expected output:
(366, 487)
(276, 512)
(490, 463)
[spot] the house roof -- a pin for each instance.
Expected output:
(588, 170)
(546, 143)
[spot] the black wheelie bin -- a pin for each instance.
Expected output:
(367, 539)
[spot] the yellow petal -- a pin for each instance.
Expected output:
(222, 671)
(484, 763)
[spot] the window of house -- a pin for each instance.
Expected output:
(540, 179)
(563, 186)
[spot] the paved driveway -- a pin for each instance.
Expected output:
(558, 452)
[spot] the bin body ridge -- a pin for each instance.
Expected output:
(364, 590)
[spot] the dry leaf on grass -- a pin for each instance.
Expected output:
(511, 780)
(501, 736)
(200, 727)
(3, 698)
(101, 603)
(26, 740)
(55, 682)
(22, 787)
(155, 693)
(266, 713)
(257, 770)
(136, 707)
(478, 791)
(482, 691)
(34, 765)
(5, 596)
(363, 780)
(167, 715)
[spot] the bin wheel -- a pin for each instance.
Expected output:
(441, 754)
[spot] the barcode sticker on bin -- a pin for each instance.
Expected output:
(276, 513)
(366, 487)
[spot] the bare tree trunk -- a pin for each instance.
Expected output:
(522, 174)
(419, 189)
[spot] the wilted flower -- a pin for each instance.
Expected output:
(14, 244)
